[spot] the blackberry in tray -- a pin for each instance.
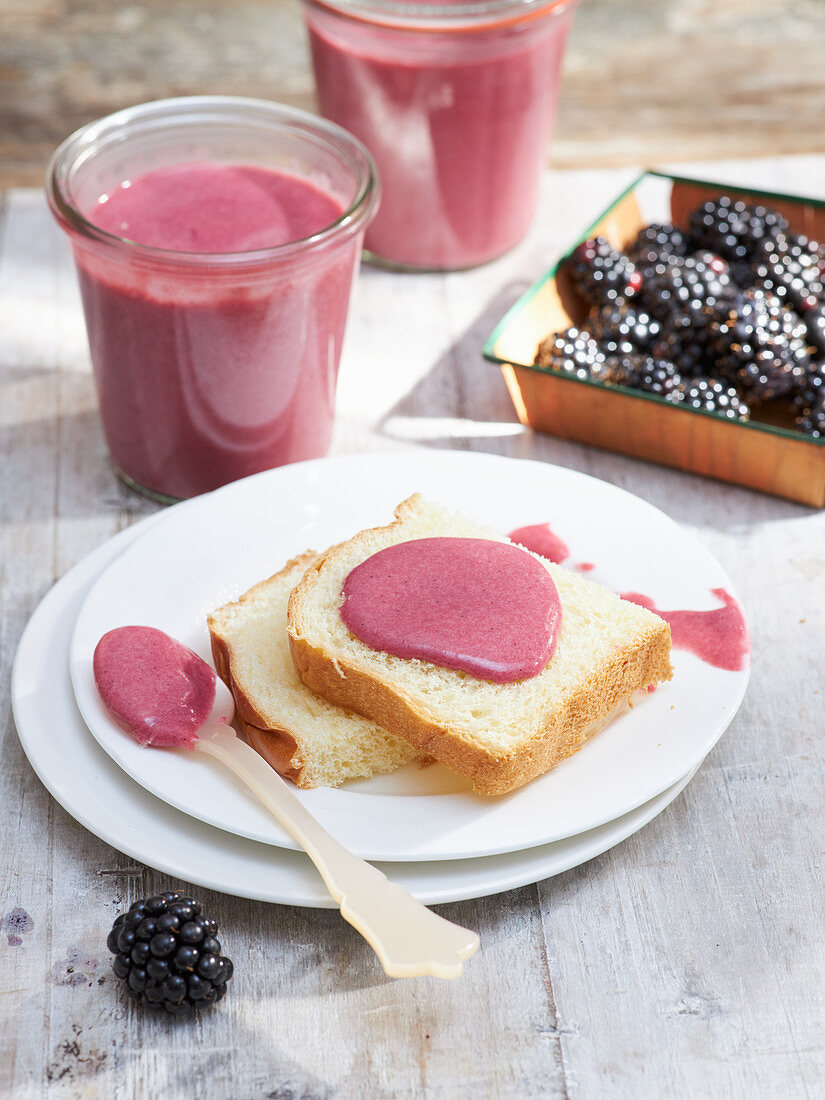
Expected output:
(676, 283)
(653, 242)
(732, 228)
(641, 372)
(761, 346)
(815, 328)
(601, 274)
(788, 267)
(685, 340)
(724, 316)
(711, 395)
(573, 351)
(812, 421)
(623, 328)
(812, 389)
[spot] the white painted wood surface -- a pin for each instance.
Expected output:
(687, 962)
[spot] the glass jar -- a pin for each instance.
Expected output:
(212, 365)
(455, 102)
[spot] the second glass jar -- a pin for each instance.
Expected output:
(455, 102)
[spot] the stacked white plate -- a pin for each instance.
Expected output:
(182, 814)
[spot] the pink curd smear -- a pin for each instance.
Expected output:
(539, 538)
(719, 637)
(472, 605)
(157, 690)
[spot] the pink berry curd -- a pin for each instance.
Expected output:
(156, 689)
(457, 119)
(542, 540)
(206, 370)
(473, 605)
(719, 637)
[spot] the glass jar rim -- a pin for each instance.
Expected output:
(454, 15)
(165, 114)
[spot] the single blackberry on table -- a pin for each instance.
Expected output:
(711, 395)
(787, 267)
(573, 351)
(812, 421)
(732, 228)
(671, 286)
(600, 273)
(657, 241)
(760, 346)
(167, 954)
(641, 372)
(622, 329)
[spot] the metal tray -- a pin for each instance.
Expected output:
(765, 453)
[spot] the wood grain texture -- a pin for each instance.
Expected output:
(687, 962)
(645, 81)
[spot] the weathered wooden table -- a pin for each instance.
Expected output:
(687, 962)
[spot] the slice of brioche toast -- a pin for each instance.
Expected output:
(500, 735)
(301, 735)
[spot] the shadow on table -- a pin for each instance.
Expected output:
(480, 417)
(53, 458)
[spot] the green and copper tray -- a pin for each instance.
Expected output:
(765, 453)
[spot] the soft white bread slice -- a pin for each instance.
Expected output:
(301, 735)
(500, 735)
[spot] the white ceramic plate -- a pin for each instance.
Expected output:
(101, 797)
(197, 557)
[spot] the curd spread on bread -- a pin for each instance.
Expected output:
(719, 637)
(472, 605)
(157, 690)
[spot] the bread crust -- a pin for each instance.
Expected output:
(630, 669)
(564, 734)
(279, 746)
(279, 717)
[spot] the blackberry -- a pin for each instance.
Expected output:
(741, 273)
(760, 346)
(786, 266)
(671, 286)
(573, 351)
(812, 389)
(686, 339)
(711, 395)
(733, 228)
(601, 274)
(641, 372)
(718, 265)
(657, 241)
(815, 328)
(812, 421)
(622, 329)
(167, 955)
